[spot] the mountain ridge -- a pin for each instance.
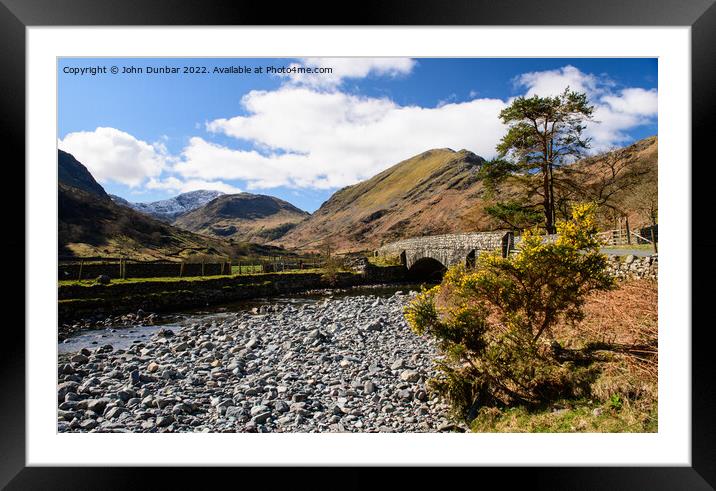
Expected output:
(392, 203)
(73, 173)
(253, 217)
(441, 191)
(170, 209)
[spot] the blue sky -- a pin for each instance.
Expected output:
(300, 137)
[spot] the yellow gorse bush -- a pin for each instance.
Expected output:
(491, 321)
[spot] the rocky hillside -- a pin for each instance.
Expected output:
(419, 196)
(169, 210)
(626, 181)
(72, 173)
(91, 225)
(441, 191)
(244, 216)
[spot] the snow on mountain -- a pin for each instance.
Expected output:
(169, 209)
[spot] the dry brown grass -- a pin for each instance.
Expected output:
(627, 315)
(621, 324)
(621, 327)
(620, 335)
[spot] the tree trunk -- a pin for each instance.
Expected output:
(548, 213)
(553, 211)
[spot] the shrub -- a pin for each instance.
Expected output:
(492, 323)
(332, 265)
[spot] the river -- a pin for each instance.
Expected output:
(122, 336)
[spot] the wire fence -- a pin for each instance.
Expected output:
(71, 268)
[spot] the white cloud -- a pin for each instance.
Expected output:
(553, 82)
(307, 137)
(615, 111)
(318, 139)
(347, 68)
(174, 185)
(318, 136)
(113, 155)
(635, 101)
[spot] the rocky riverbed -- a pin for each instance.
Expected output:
(100, 322)
(347, 364)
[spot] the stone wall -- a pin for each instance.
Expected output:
(632, 267)
(545, 239)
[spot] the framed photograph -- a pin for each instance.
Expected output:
(409, 240)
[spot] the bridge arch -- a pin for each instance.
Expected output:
(427, 268)
(449, 249)
(470, 259)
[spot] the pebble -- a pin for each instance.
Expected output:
(348, 364)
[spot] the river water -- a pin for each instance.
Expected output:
(122, 337)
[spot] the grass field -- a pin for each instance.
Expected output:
(638, 247)
(246, 269)
(170, 279)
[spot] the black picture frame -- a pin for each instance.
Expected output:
(700, 15)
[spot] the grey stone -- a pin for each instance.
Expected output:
(114, 412)
(64, 388)
(97, 405)
(261, 418)
(79, 358)
(410, 376)
(103, 279)
(405, 394)
(88, 424)
(258, 410)
(164, 421)
(234, 412)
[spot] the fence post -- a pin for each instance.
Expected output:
(653, 240)
(81, 263)
(202, 267)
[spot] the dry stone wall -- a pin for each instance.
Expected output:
(633, 267)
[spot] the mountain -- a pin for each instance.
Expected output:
(72, 173)
(170, 209)
(250, 217)
(91, 225)
(419, 196)
(441, 191)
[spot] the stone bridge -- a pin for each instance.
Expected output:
(447, 249)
